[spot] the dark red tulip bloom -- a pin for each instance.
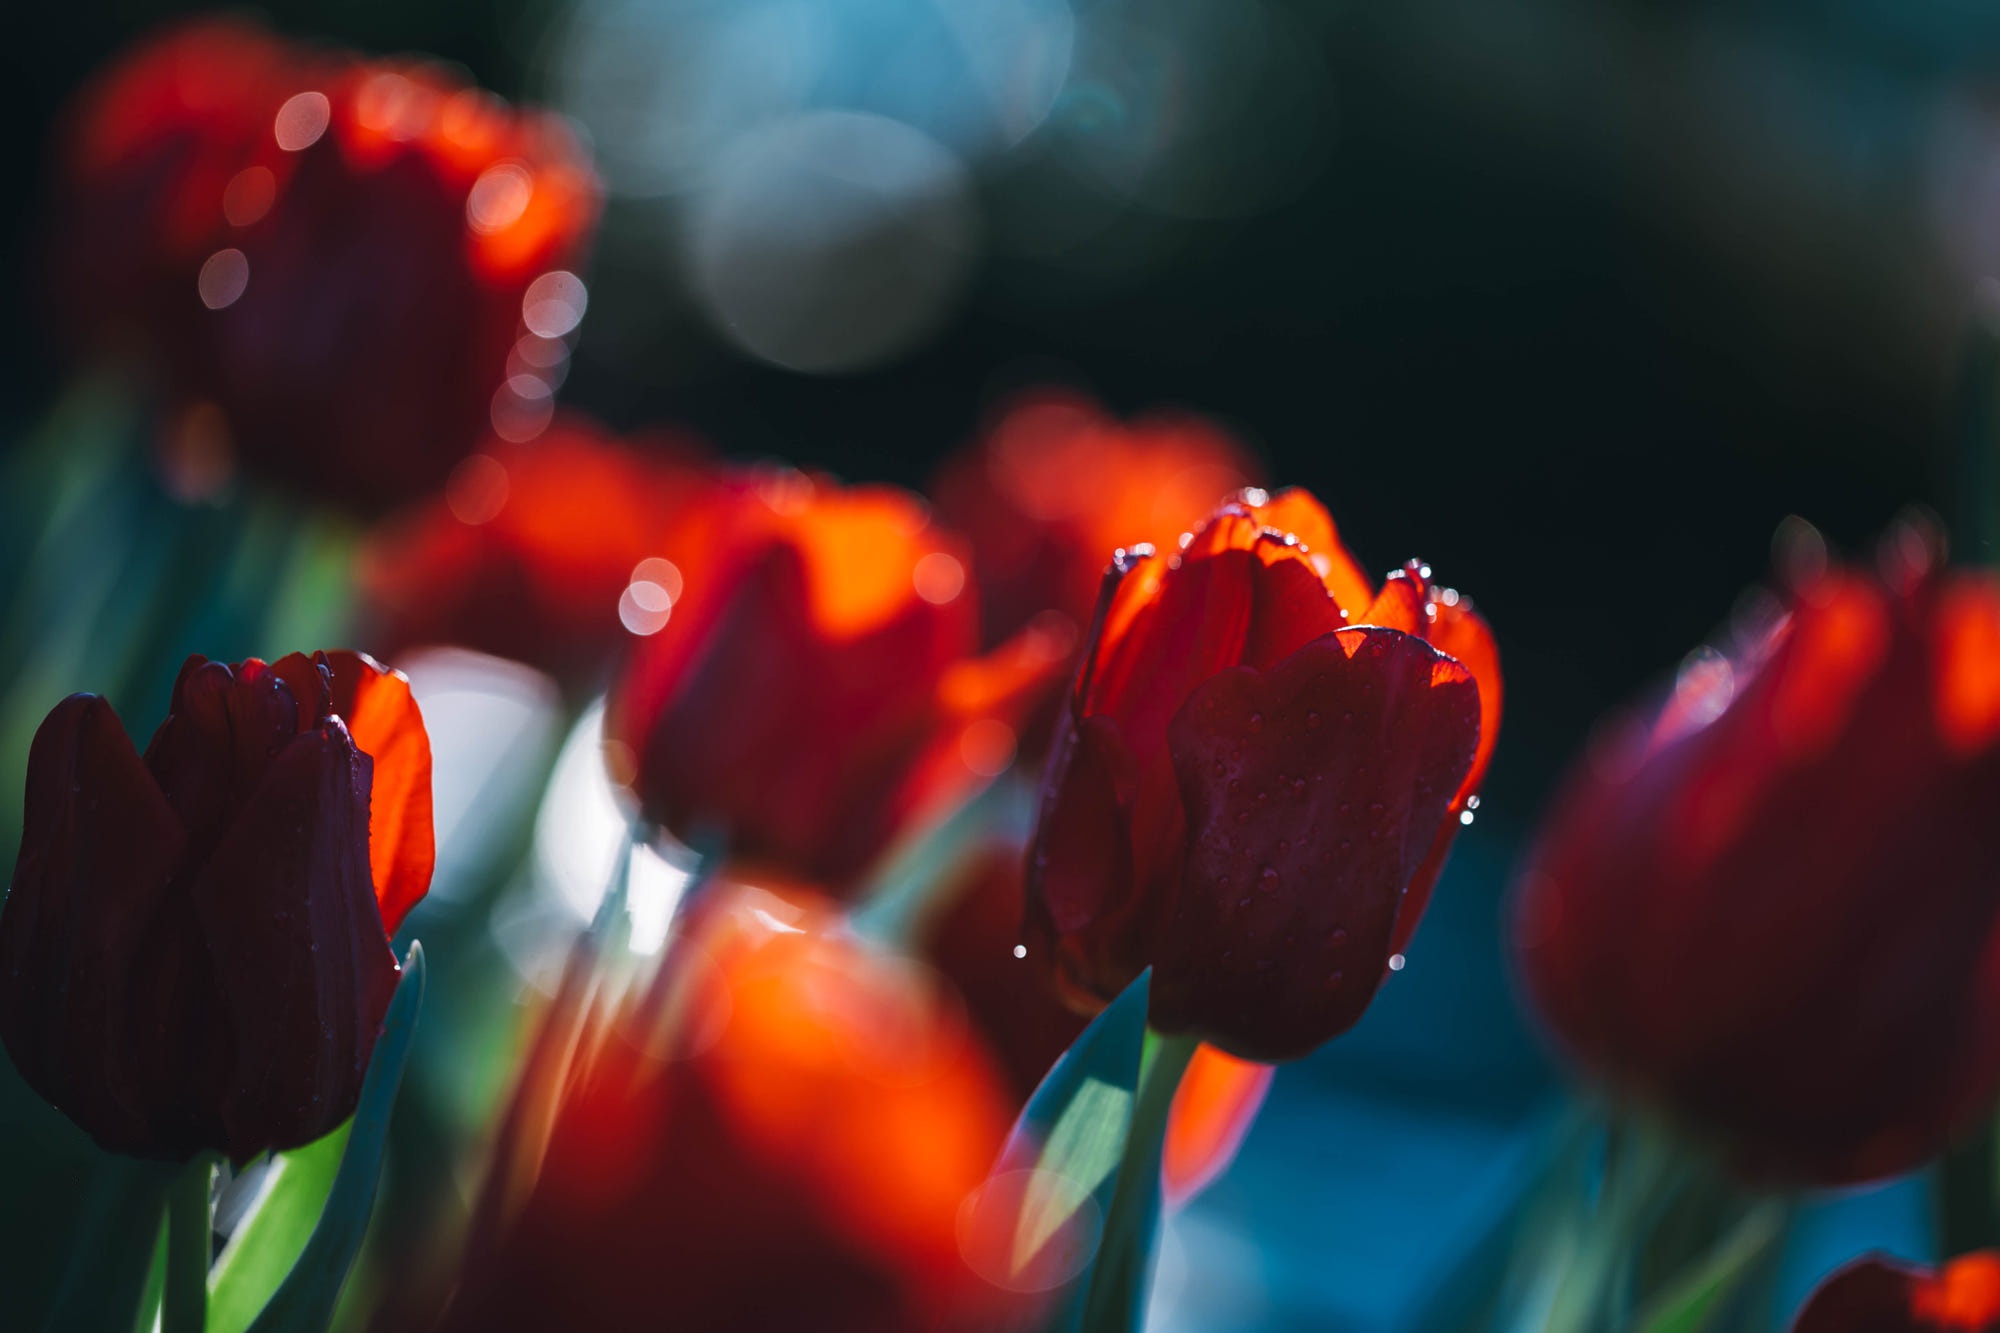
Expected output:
(812, 690)
(778, 1133)
(1773, 912)
(1259, 764)
(972, 937)
(1876, 1294)
(533, 551)
(346, 272)
(195, 952)
(1058, 484)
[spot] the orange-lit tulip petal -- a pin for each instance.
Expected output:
(382, 717)
(1214, 1107)
(1875, 1294)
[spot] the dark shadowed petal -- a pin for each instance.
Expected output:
(383, 719)
(221, 728)
(1082, 896)
(1299, 514)
(99, 844)
(1312, 792)
(288, 907)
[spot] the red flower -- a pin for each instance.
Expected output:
(972, 936)
(1774, 912)
(530, 548)
(1058, 484)
(195, 953)
(1880, 1295)
(812, 690)
(1261, 756)
(346, 270)
(779, 1133)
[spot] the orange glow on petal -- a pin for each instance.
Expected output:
(384, 721)
(1298, 512)
(1968, 663)
(864, 553)
(1213, 1109)
(1461, 633)
(1965, 1296)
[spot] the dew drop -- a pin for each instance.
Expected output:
(1298, 786)
(1242, 902)
(1337, 940)
(1396, 962)
(1267, 878)
(1333, 979)
(1375, 808)
(1312, 721)
(1347, 844)
(1256, 722)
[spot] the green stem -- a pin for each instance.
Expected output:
(112, 1248)
(190, 1233)
(1968, 1194)
(1117, 1301)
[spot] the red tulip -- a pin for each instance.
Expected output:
(779, 1133)
(972, 938)
(532, 551)
(195, 953)
(1258, 770)
(1058, 485)
(1880, 1295)
(345, 270)
(812, 691)
(1773, 912)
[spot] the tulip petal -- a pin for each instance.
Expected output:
(1297, 513)
(288, 908)
(1877, 1294)
(386, 725)
(1081, 894)
(1217, 1102)
(1460, 632)
(99, 845)
(1312, 792)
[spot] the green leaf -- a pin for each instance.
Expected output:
(1121, 1279)
(1040, 1219)
(268, 1242)
(304, 1302)
(1699, 1292)
(117, 1245)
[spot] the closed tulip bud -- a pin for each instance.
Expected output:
(811, 689)
(780, 1131)
(333, 264)
(1256, 779)
(1771, 912)
(195, 951)
(1875, 1294)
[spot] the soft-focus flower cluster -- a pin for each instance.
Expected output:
(778, 1131)
(342, 272)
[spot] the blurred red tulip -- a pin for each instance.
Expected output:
(1880, 1295)
(1256, 775)
(195, 953)
(812, 691)
(779, 1133)
(346, 272)
(1058, 484)
(972, 938)
(1774, 911)
(533, 551)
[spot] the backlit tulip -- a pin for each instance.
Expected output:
(778, 1133)
(1875, 1294)
(1256, 779)
(345, 272)
(195, 952)
(812, 690)
(543, 552)
(1772, 912)
(1058, 484)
